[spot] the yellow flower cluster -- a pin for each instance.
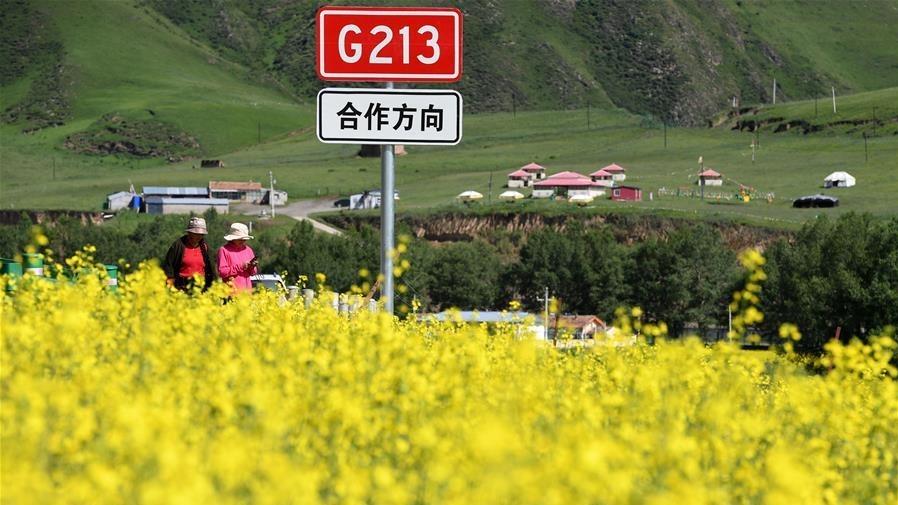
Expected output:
(151, 396)
(745, 301)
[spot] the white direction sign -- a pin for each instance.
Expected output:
(389, 116)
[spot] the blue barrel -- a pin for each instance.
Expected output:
(136, 200)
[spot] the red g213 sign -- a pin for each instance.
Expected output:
(389, 44)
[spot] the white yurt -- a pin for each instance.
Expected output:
(510, 196)
(469, 196)
(839, 180)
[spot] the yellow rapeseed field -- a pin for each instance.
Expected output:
(149, 396)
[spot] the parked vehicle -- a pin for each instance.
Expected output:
(271, 282)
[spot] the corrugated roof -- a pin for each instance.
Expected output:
(601, 173)
(174, 190)
(614, 167)
(469, 316)
(533, 166)
(227, 185)
(575, 321)
(709, 173)
(520, 173)
(187, 201)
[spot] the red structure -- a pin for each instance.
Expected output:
(627, 193)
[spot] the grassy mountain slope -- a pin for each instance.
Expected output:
(680, 60)
(134, 81)
(132, 62)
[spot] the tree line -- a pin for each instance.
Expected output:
(833, 277)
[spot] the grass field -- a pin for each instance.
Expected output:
(787, 165)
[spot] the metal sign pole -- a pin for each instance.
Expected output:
(386, 222)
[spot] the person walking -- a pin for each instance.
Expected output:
(236, 260)
(189, 257)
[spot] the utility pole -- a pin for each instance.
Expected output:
(489, 198)
(865, 146)
(701, 179)
(774, 91)
(834, 99)
(271, 192)
(752, 153)
(545, 300)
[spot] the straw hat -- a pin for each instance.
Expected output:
(197, 225)
(238, 232)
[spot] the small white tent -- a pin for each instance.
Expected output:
(839, 180)
(470, 195)
(510, 196)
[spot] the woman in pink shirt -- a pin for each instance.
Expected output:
(236, 260)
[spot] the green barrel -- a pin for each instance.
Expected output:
(13, 271)
(34, 264)
(112, 272)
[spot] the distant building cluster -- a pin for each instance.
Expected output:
(574, 186)
(218, 195)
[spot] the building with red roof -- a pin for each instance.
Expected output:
(567, 184)
(618, 173)
(626, 193)
(538, 171)
(602, 177)
(236, 190)
(520, 179)
(574, 326)
(710, 178)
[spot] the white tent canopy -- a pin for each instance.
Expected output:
(839, 180)
(469, 195)
(511, 195)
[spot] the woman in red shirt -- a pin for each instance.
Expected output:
(189, 256)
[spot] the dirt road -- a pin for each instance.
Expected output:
(298, 210)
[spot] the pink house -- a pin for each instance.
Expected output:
(538, 171)
(602, 177)
(568, 184)
(617, 172)
(710, 178)
(519, 179)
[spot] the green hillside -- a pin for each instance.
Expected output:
(680, 60)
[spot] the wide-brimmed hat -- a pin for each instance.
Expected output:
(238, 232)
(197, 225)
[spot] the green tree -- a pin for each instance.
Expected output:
(685, 279)
(465, 275)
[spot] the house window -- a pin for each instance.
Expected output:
(616, 192)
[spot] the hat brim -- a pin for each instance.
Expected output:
(238, 237)
(198, 231)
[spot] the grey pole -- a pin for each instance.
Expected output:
(386, 222)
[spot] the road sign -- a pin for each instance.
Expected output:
(389, 44)
(389, 116)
